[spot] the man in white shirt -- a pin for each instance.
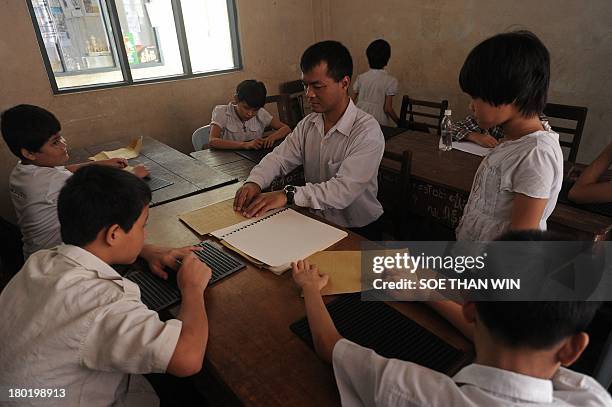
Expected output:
(339, 145)
(69, 322)
(521, 348)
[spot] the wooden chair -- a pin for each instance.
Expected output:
(283, 105)
(568, 112)
(394, 191)
(297, 106)
(407, 113)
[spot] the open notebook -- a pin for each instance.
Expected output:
(279, 237)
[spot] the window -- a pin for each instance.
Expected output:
(89, 44)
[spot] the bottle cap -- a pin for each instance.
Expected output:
(447, 112)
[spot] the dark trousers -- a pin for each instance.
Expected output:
(372, 231)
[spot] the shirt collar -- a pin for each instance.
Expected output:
(506, 383)
(90, 262)
(344, 125)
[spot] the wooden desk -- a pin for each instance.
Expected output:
(250, 348)
(189, 176)
(441, 184)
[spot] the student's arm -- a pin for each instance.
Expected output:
(453, 313)
(215, 141)
(389, 109)
(527, 212)
(324, 332)
(281, 131)
(140, 170)
(188, 356)
(468, 129)
(587, 188)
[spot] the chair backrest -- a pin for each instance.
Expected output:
(199, 139)
(297, 106)
(394, 190)
(282, 105)
(434, 120)
(572, 113)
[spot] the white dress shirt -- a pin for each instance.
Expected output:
(34, 192)
(340, 167)
(366, 379)
(69, 321)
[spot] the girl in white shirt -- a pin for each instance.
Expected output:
(241, 124)
(517, 184)
(374, 90)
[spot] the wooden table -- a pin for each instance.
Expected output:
(251, 349)
(189, 176)
(441, 184)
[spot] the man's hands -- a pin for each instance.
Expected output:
(245, 195)
(485, 140)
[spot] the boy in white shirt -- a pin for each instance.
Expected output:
(33, 135)
(339, 145)
(374, 90)
(516, 186)
(521, 348)
(240, 125)
(70, 322)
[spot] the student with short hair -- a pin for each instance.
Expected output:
(339, 145)
(70, 322)
(241, 124)
(516, 186)
(374, 89)
(522, 350)
(33, 135)
(589, 188)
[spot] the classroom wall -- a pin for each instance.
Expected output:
(430, 40)
(273, 35)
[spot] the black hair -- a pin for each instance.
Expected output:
(28, 127)
(509, 68)
(252, 92)
(378, 53)
(536, 324)
(336, 55)
(97, 197)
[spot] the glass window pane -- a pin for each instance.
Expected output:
(150, 38)
(207, 27)
(76, 36)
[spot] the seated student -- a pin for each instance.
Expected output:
(469, 130)
(588, 188)
(516, 186)
(240, 125)
(374, 90)
(339, 145)
(33, 135)
(70, 322)
(522, 349)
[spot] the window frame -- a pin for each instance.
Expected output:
(121, 55)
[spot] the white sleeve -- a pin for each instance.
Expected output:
(264, 117)
(219, 117)
(392, 87)
(128, 337)
(532, 174)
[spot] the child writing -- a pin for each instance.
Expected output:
(241, 124)
(68, 317)
(522, 349)
(374, 90)
(517, 184)
(33, 135)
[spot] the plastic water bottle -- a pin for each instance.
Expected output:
(446, 134)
